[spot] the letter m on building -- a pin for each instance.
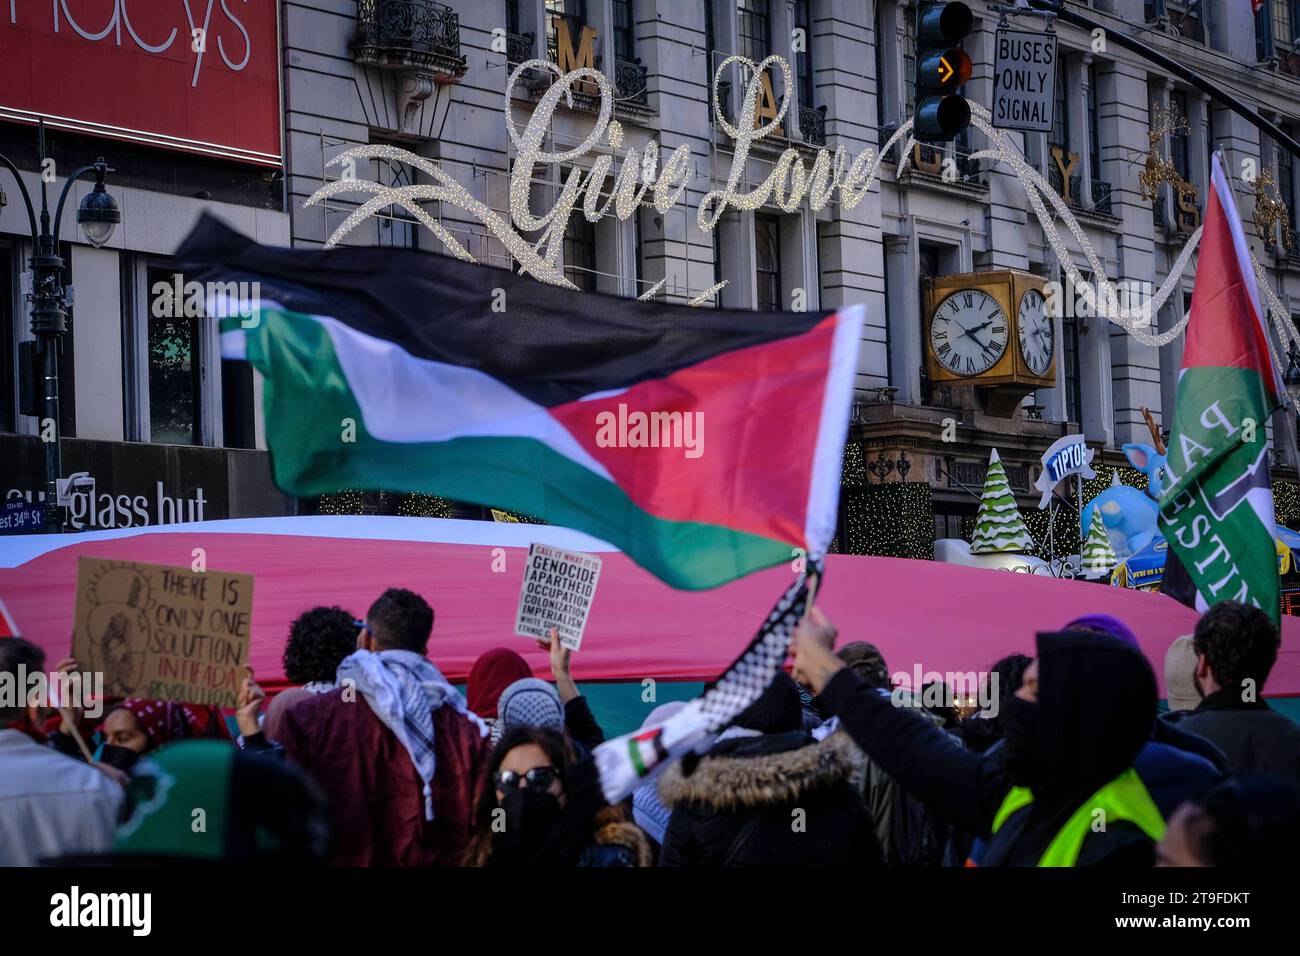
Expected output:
(568, 59)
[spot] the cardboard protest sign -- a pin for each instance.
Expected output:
(557, 592)
(163, 632)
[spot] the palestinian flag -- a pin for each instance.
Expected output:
(1217, 509)
(704, 443)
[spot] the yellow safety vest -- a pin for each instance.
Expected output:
(1124, 798)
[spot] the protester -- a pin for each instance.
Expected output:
(1236, 646)
(1180, 675)
(766, 793)
(551, 809)
(532, 702)
(1073, 731)
(318, 641)
(908, 833)
(1251, 820)
(395, 747)
(492, 673)
(256, 809)
(1174, 764)
(50, 804)
(983, 729)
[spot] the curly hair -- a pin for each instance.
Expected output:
(318, 640)
(1239, 641)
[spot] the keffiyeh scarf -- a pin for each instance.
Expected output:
(404, 689)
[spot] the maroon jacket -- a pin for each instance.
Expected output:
(376, 797)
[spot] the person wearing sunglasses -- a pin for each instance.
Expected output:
(542, 807)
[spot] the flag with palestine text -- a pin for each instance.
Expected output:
(1217, 509)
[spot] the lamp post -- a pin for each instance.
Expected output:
(97, 215)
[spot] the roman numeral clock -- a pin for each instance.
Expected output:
(990, 330)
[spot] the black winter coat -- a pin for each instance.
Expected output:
(1097, 700)
(1254, 737)
(739, 807)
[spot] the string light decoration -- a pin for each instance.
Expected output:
(1286, 503)
(1270, 210)
(830, 172)
(1064, 522)
(351, 501)
(418, 505)
(1159, 169)
(853, 471)
(890, 520)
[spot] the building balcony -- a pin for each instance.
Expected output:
(812, 124)
(409, 35)
(519, 47)
(632, 81)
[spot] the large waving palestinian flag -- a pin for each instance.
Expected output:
(704, 443)
(1217, 509)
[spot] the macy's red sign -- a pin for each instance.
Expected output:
(195, 75)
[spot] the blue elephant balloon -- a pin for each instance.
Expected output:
(1128, 514)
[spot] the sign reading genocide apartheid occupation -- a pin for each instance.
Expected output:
(1024, 80)
(557, 592)
(162, 632)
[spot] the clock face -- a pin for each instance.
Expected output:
(1037, 333)
(968, 332)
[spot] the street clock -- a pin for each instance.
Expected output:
(991, 330)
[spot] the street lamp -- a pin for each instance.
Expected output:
(97, 215)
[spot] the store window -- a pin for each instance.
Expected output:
(8, 341)
(1180, 136)
(396, 227)
(1071, 378)
(767, 241)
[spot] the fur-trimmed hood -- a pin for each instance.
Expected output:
(614, 829)
(727, 782)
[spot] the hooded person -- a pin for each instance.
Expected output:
(395, 746)
(492, 673)
(1073, 731)
(740, 803)
(1173, 764)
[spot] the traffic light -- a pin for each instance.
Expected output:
(942, 67)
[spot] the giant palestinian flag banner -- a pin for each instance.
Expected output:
(704, 443)
(1217, 509)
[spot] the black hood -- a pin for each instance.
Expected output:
(1097, 704)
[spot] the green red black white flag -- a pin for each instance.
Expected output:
(704, 443)
(1217, 509)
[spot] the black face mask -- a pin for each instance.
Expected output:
(530, 815)
(123, 758)
(1023, 747)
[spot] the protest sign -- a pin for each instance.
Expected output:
(557, 591)
(163, 632)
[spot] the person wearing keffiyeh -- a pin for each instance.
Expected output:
(395, 747)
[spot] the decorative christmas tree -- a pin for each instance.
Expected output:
(998, 525)
(1098, 557)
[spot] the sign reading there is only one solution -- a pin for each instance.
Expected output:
(1024, 80)
(557, 592)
